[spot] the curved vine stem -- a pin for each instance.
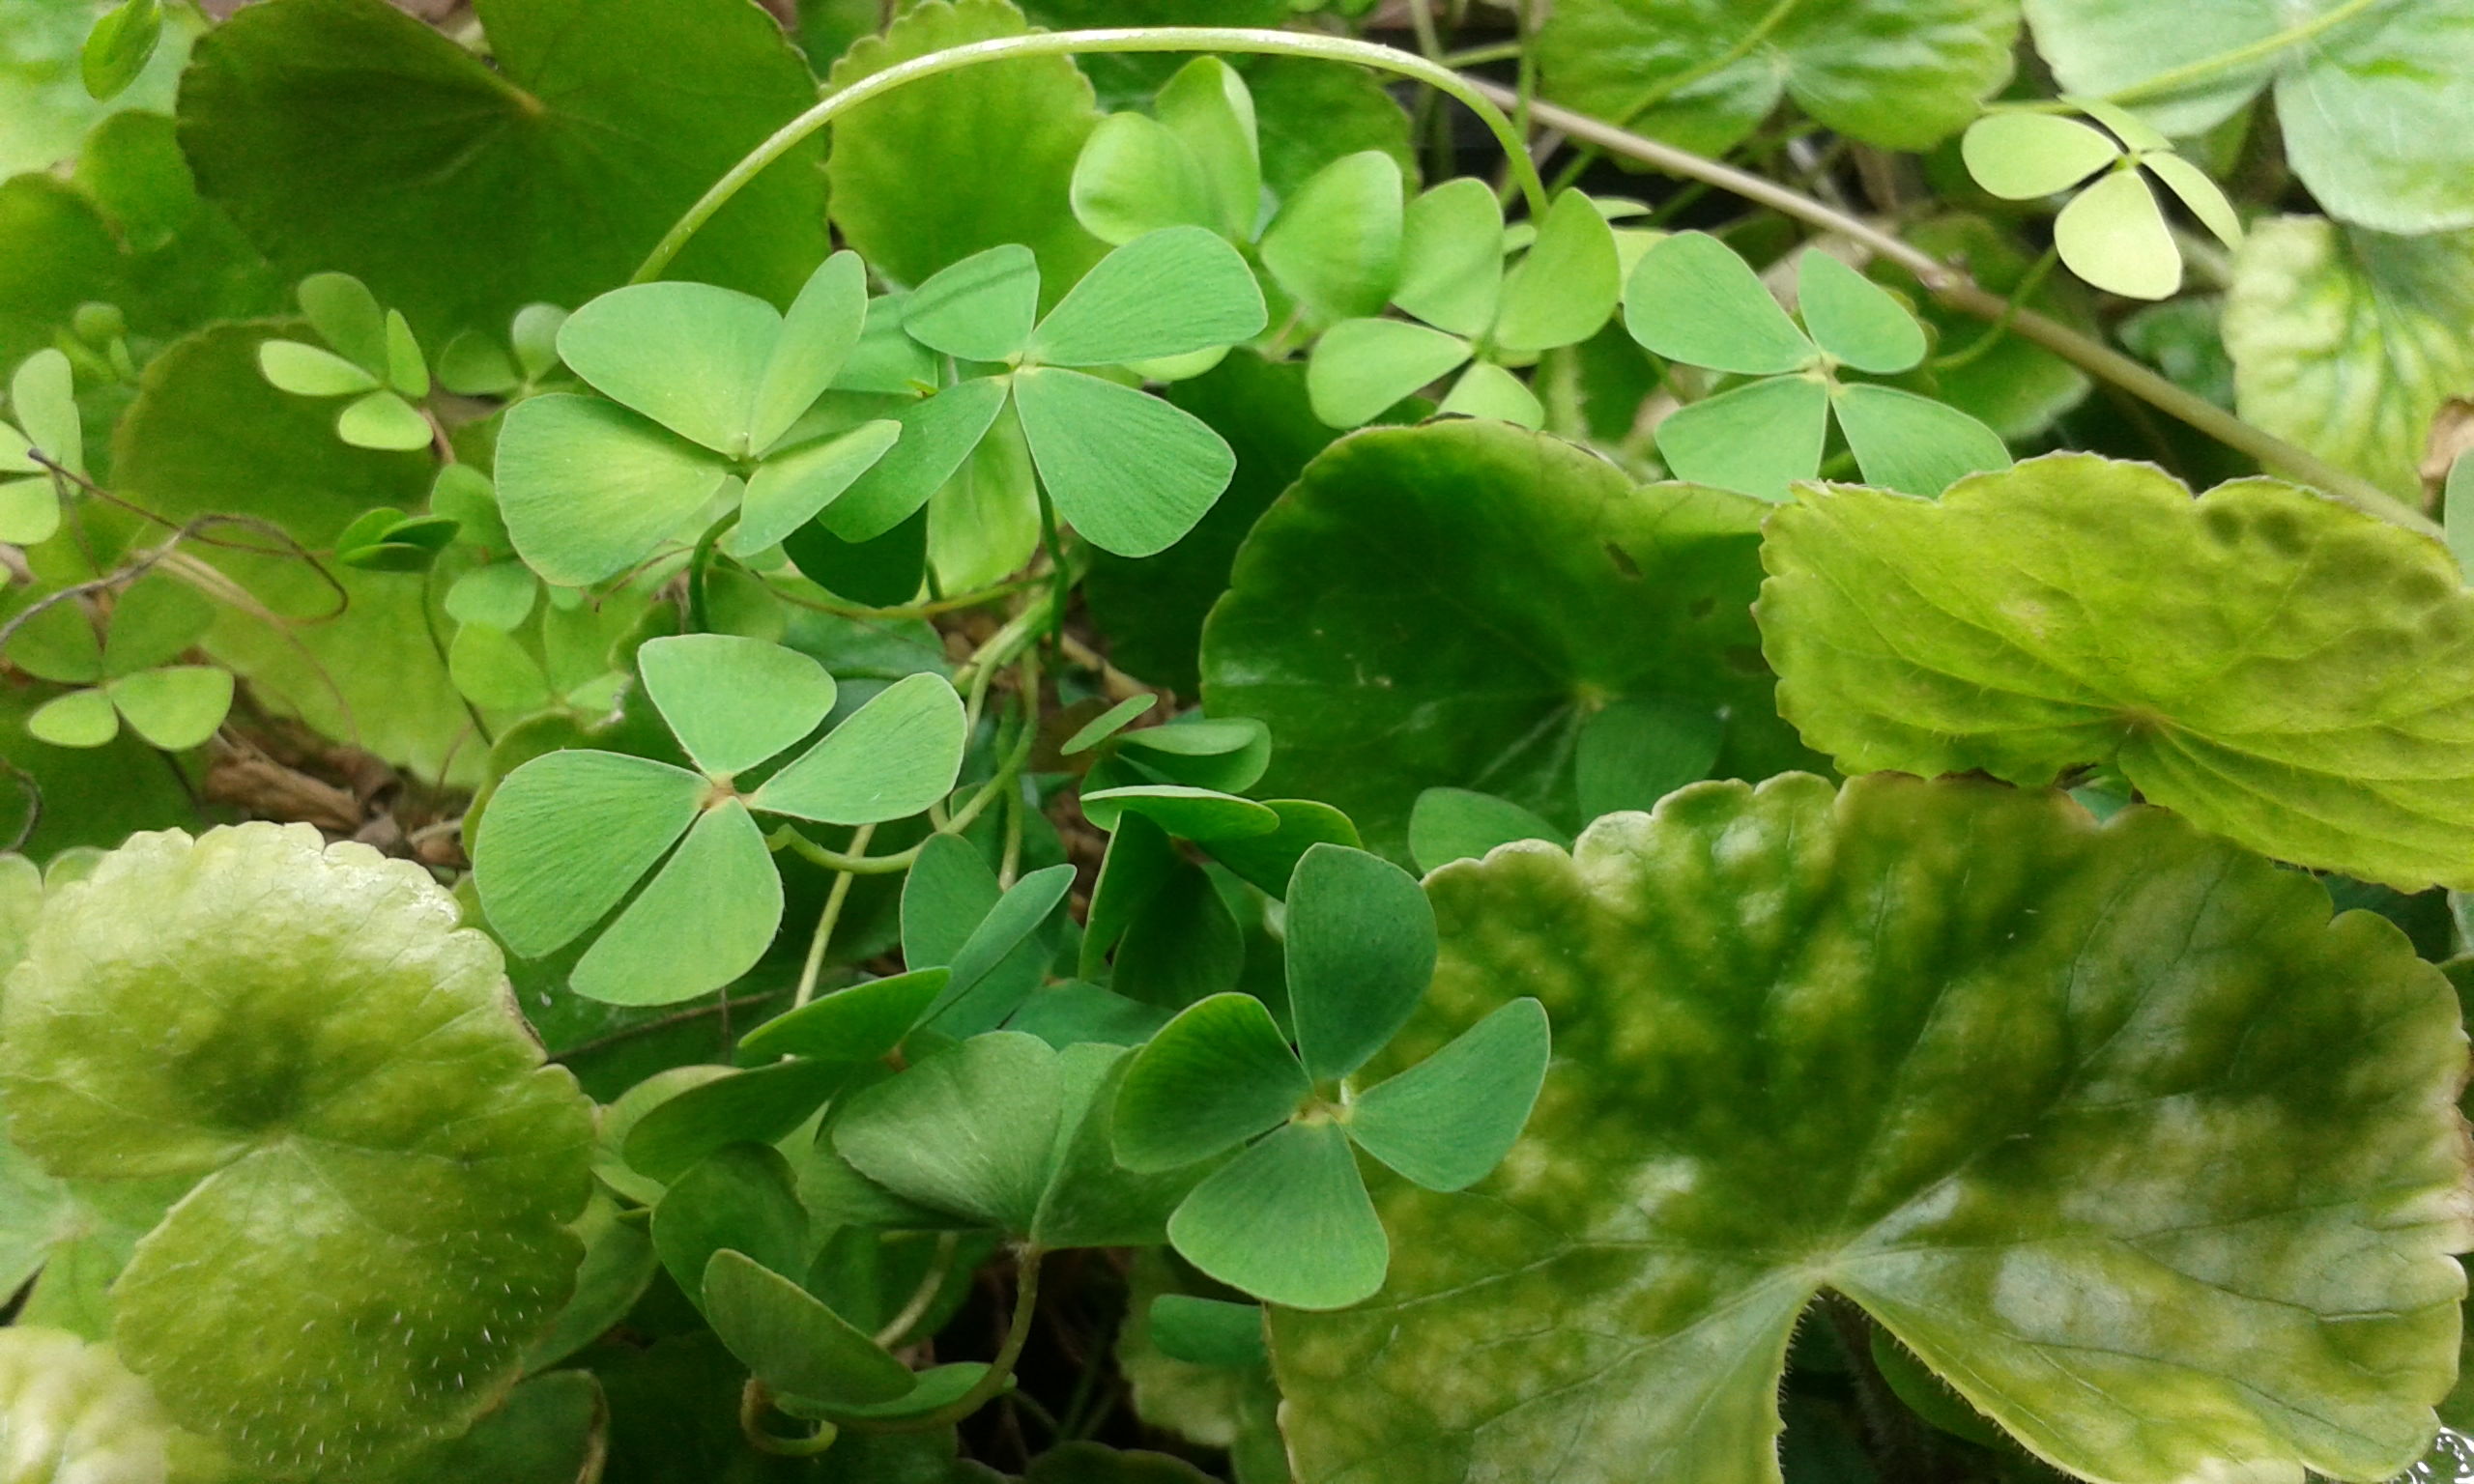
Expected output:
(1953, 287)
(1119, 38)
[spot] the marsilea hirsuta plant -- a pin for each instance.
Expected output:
(943, 742)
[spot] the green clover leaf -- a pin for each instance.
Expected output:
(1691, 299)
(2286, 671)
(1451, 275)
(1131, 472)
(1288, 1220)
(2075, 1110)
(570, 832)
(705, 382)
(173, 707)
(44, 399)
(341, 1052)
(2113, 233)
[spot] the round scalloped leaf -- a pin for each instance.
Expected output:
(340, 133)
(2111, 1126)
(1443, 605)
(2286, 671)
(333, 1048)
(1899, 73)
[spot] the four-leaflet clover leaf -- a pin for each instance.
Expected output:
(126, 676)
(705, 384)
(1691, 299)
(1131, 472)
(375, 361)
(44, 399)
(1474, 312)
(570, 833)
(2113, 234)
(1288, 1220)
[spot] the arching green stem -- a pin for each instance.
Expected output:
(1120, 38)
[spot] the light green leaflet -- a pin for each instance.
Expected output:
(380, 364)
(174, 707)
(1704, 73)
(2348, 342)
(704, 382)
(1452, 276)
(2113, 233)
(2349, 79)
(569, 834)
(1131, 472)
(1691, 299)
(1288, 1219)
(2076, 1112)
(339, 1051)
(43, 402)
(2286, 671)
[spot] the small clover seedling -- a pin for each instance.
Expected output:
(1474, 312)
(570, 832)
(704, 385)
(475, 364)
(1131, 472)
(372, 359)
(1692, 300)
(126, 676)
(1288, 1220)
(2113, 234)
(42, 397)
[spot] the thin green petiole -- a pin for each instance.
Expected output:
(1121, 39)
(839, 893)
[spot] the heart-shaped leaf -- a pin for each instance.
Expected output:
(1566, 284)
(1135, 175)
(1164, 294)
(1131, 472)
(2020, 157)
(1361, 367)
(1691, 299)
(176, 707)
(568, 833)
(1336, 244)
(350, 1059)
(704, 920)
(893, 758)
(734, 702)
(1217, 1074)
(1914, 444)
(2114, 236)
(1450, 1120)
(688, 356)
(1288, 1220)
(1452, 257)
(981, 308)
(587, 487)
(2283, 669)
(1855, 319)
(1756, 440)
(1983, 1062)
(1361, 949)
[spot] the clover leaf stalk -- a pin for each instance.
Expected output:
(1117, 38)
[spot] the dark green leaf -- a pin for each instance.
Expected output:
(758, 1106)
(1206, 1331)
(1289, 1222)
(1360, 949)
(343, 133)
(856, 1024)
(1267, 862)
(1450, 1120)
(1635, 753)
(1452, 824)
(990, 974)
(793, 1343)
(1424, 606)
(1215, 1077)
(1183, 943)
(739, 1198)
(971, 1131)
(1189, 813)
(881, 572)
